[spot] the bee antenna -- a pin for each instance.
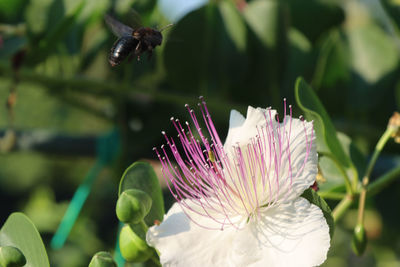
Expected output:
(166, 26)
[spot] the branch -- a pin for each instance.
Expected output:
(52, 143)
(137, 93)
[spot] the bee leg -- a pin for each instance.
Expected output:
(137, 50)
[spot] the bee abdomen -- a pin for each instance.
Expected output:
(121, 49)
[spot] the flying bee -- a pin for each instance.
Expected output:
(140, 40)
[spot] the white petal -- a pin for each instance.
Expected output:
(241, 130)
(294, 234)
(297, 167)
(300, 173)
(181, 242)
(236, 120)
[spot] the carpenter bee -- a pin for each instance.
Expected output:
(140, 40)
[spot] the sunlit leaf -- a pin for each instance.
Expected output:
(327, 141)
(234, 24)
(265, 18)
(36, 17)
(374, 54)
(140, 175)
(18, 231)
(49, 41)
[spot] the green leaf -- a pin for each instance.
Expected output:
(315, 199)
(300, 59)
(314, 17)
(268, 47)
(353, 152)
(397, 92)
(334, 62)
(392, 7)
(374, 54)
(102, 259)
(36, 17)
(11, 257)
(11, 10)
(234, 24)
(50, 41)
(208, 59)
(18, 231)
(11, 46)
(265, 18)
(331, 173)
(143, 7)
(141, 176)
(327, 140)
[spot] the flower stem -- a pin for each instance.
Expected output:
(342, 207)
(345, 203)
(332, 195)
(383, 181)
(109, 89)
(378, 148)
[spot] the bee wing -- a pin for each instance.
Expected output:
(133, 19)
(118, 28)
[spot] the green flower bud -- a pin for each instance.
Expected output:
(11, 257)
(102, 259)
(133, 205)
(133, 248)
(359, 242)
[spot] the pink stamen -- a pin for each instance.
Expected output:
(228, 187)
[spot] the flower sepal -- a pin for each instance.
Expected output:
(359, 242)
(133, 205)
(141, 176)
(102, 259)
(133, 248)
(11, 256)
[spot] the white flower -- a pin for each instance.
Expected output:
(239, 204)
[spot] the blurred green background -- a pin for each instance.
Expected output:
(64, 108)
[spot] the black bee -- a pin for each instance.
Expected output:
(140, 40)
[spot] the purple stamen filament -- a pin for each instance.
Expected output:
(230, 185)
